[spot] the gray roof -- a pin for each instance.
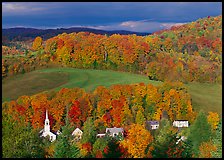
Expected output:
(152, 122)
(114, 130)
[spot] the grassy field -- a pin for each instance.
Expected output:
(207, 97)
(204, 96)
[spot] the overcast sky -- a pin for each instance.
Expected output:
(132, 16)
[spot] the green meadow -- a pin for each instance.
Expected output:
(207, 97)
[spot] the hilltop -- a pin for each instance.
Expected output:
(22, 34)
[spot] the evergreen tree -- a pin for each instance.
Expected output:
(64, 148)
(113, 150)
(162, 140)
(89, 131)
(187, 145)
(200, 131)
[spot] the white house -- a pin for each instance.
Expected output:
(77, 133)
(46, 131)
(180, 123)
(114, 131)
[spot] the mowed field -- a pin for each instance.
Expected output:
(207, 97)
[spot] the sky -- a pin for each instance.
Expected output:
(132, 16)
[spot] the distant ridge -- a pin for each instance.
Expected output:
(22, 33)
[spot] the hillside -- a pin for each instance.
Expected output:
(172, 55)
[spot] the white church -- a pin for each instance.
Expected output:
(77, 133)
(46, 131)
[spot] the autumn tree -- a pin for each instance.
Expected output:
(206, 148)
(37, 44)
(137, 141)
(213, 119)
(140, 119)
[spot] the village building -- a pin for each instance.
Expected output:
(180, 123)
(100, 135)
(77, 133)
(114, 131)
(151, 125)
(46, 131)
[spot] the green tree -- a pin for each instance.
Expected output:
(99, 145)
(113, 150)
(19, 140)
(89, 131)
(163, 139)
(64, 148)
(200, 131)
(217, 140)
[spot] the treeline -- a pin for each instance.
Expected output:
(126, 106)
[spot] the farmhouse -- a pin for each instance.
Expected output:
(46, 131)
(151, 125)
(114, 131)
(77, 133)
(180, 123)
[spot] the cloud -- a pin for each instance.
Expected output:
(138, 26)
(26, 8)
(17, 7)
(135, 26)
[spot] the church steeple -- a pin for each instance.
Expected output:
(47, 123)
(46, 115)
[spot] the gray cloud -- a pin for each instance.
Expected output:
(144, 16)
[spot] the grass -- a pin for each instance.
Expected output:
(207, 97)
(30, 83)
(204, 96)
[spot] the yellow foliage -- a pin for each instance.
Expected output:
(206, 148)
(213, 119)
(137, 141)
(37, 44)
(172, 92)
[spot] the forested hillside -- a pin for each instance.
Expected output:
(191, 52)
